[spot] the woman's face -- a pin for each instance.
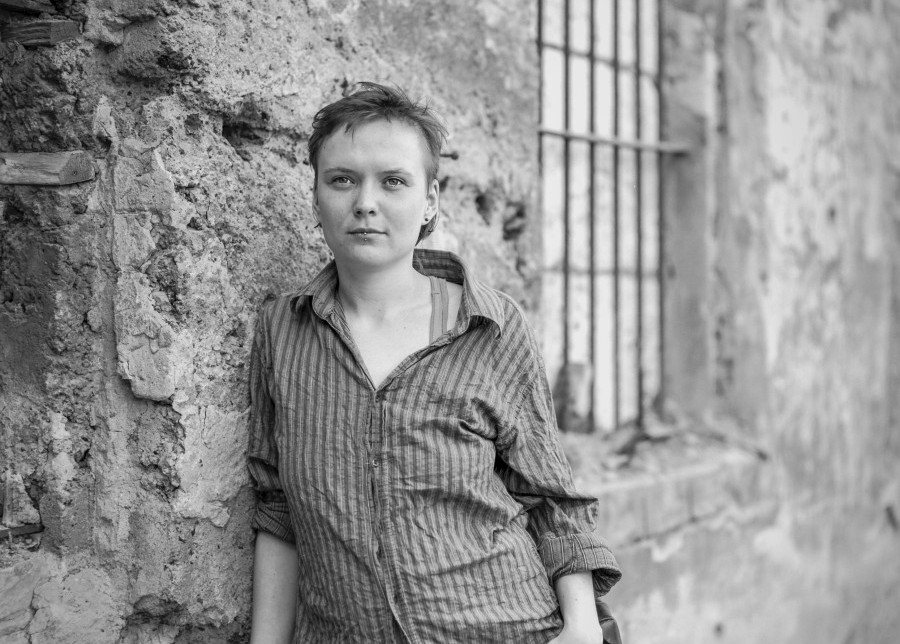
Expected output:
(372, 194)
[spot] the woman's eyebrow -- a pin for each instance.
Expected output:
(337, 169)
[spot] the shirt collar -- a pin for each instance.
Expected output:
(478, 300)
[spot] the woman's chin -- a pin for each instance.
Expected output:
(375, 251)
(370, 255)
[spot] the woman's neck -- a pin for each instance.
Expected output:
(378, 294)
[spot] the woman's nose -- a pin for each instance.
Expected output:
(365, 200)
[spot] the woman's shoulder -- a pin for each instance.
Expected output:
(274, 305)
(277, 310)
(509, 307)
(508, 314)
(466, 287)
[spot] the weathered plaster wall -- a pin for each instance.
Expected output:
(804, 241)
(126, 302)
(796, 311)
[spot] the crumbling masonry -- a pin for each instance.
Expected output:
(154, 191)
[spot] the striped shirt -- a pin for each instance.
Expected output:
(436, 508)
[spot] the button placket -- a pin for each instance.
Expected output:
(378, 421)
(375, 461)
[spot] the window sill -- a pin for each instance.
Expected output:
(666, 485)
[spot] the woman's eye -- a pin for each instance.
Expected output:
(341, 180)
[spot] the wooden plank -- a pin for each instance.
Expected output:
(21, 530)
(45, 168)
(39, 33)
(27, 6)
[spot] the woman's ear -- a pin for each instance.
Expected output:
(315, 204)
(432, 201)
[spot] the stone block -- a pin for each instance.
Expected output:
(667, 503)
(143, 340)
(132, 242)
(623, 512)
(141, 181)
(17, 584)
(104, 26)
(646, 506)
(61, 465)
(642, 507)
(150, 634)
(17, 506)
(75, 609)
(705, 498)
(103, 125)
(212, 468)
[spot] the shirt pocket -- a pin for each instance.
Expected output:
(468, 403)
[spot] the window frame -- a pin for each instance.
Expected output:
(670, 170)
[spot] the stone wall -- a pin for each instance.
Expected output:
(803, 236)
(786, 289)
(126, 302)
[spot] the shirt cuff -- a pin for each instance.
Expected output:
(582, 552)
(272, 516)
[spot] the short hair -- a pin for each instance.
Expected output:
(370, 102)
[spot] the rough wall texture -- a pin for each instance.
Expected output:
(800, 243)
(804, 254)
(126, 302)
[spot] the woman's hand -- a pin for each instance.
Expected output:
(578, 636)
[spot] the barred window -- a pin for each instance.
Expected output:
(601, 147)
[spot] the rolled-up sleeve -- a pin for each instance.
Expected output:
(537, 474)
(271, 513)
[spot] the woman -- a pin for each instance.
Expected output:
(411, 485)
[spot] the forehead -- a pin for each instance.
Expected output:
(379, 143)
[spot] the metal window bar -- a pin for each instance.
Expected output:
(589, 53)
(639, 215)
(660, 201)
(592, 199)
(567, 177)
(617, 293)
(624, 271)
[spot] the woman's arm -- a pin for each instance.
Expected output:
(575, 593)
(274, 590)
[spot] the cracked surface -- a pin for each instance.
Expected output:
(126, 303)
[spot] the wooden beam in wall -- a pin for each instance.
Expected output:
(45, 168)
(21, 530)
(27, 6)
(39, 32)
